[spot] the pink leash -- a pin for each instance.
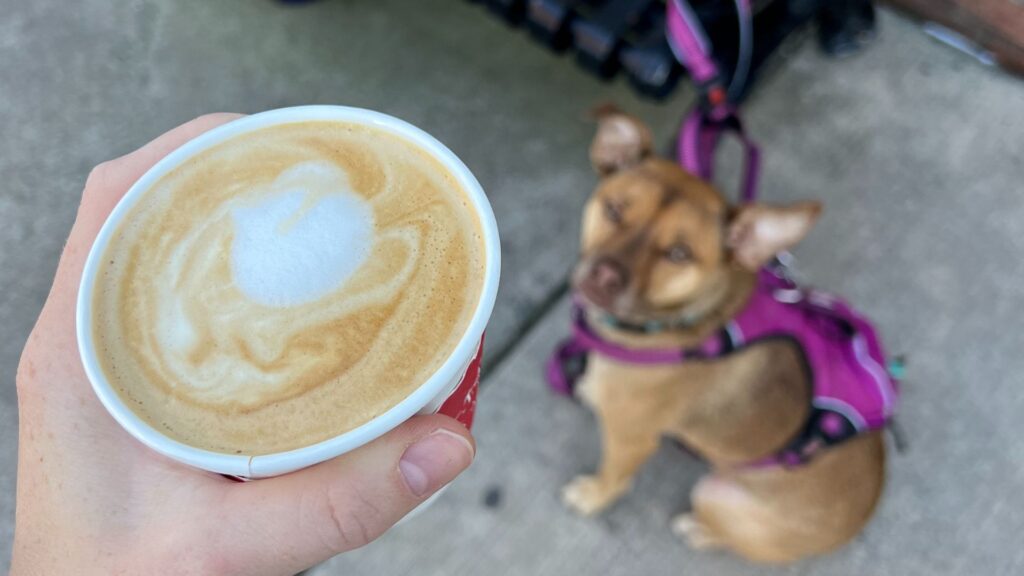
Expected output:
(705, 124)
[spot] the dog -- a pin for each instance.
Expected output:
(666, 262)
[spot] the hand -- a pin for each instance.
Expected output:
(92, 500)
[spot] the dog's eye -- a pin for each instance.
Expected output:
(678, 253)
(612, 212)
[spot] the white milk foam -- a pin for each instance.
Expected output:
(302, 240)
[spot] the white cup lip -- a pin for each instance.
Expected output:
(282, 462)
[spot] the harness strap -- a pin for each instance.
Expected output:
(568, 362)
(699, 139)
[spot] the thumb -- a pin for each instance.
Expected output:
(286, 524)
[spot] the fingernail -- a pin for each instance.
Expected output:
(434, 461)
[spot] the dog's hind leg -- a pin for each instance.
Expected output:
(726, 515)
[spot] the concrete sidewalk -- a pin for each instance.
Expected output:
(913, 148)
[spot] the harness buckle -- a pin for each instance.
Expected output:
(716, 95)
(785, 266)
(899, 435)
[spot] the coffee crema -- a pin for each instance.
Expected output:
(286, 286)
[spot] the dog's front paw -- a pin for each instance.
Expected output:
(585, 495)
(694, 532)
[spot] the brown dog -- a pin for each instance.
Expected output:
(659, 244)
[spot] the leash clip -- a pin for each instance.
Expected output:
(785, 267)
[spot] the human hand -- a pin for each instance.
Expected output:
(93, 500)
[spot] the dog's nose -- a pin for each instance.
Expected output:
(609, 276)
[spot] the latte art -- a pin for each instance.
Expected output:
(292, 243)
(286, 286)
(299, 243)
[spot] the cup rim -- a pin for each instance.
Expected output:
(281, 462)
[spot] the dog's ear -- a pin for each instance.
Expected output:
(756, 233)
(621, 140)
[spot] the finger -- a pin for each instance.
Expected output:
(286, 524)
(108, 182)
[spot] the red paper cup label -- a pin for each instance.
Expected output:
(461, 405)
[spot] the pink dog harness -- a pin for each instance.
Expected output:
(853, 391)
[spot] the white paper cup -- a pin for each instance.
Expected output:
(451, 389)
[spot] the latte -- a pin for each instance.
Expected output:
(286, 286)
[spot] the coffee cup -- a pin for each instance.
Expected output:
(449, 388)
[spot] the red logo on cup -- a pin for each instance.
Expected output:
(461, 405)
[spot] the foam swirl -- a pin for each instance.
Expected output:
(286, 286)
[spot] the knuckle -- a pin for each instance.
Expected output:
(348, 519)
(214, 118)
(98, 174)
(97, 178)
(26, 379)
(25, 374)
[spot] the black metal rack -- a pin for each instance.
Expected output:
(627, 36)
